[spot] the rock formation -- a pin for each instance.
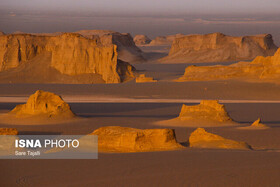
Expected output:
(165, 40)
(202, 139)
(8, 131)
(206, 110)
(65, 55)
(2, 33)
(256, 125)
(260, 69)
(43, 104)
(126, 48)
(142, 78)
(124, 139)
(218, 47)
(141, 40)
(209, 113)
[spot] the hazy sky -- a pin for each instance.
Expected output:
(147, 6)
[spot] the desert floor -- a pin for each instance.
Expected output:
(140, 105)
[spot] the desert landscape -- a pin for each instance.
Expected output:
(171, 104)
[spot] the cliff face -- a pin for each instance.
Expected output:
(126, 48)
(71, 54)
(260, 69)
(218, 47)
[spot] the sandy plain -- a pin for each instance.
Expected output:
(140, 105)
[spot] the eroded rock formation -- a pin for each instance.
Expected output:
(70, 54)
(8, 131)
(45, 104)
(126, 48)
(260, 69)
(141, 40)
(124, 139)
(142, 78)
(256, 125)
(165, 40)
(218, 47)
(206, 110)
(202, 139)
(2, 33)
(209, 113)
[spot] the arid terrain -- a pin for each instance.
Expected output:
(162, 132)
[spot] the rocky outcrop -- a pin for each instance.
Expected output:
(2, 33)
(165, 40)
(141, 40)
(202, 139)
(71, 54)
(218, 47)
(206, 110)
(257, 125)
(8, 131)
(209, 113)
(126, 48)
(142, 78)
(260, 69)
(124, 139)
(43, 104)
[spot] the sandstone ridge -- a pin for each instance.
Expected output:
(124, 139)
(202, 139)
(260, 69)
(71, 54)
(217, 47)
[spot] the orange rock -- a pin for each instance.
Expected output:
(260, 69)
(71, 54)
(126, 48)
(43, 104)
(142, 78)
(202, 139)
(206, 110)
(257, 125)
(217, 47)
(124, 139)
(8, 131)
